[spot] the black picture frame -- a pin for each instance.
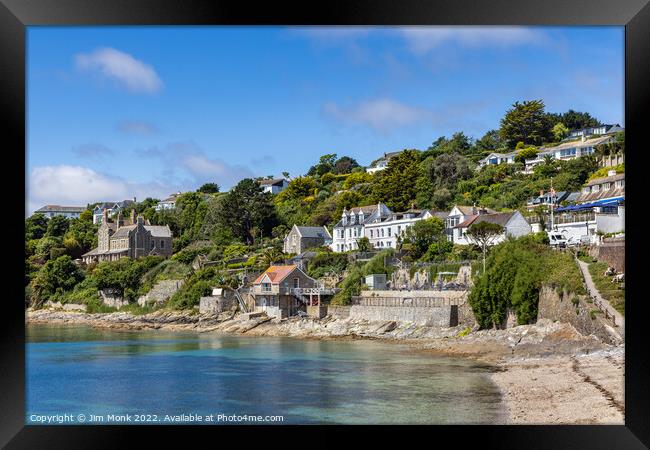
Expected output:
(16, 15)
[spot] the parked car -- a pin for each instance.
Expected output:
(557, 240)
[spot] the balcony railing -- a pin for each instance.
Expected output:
(572, 218)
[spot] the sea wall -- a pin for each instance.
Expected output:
(217, 304)
(574, 309)
(110, 298)
(338, 312)
(429, 308)
(613, 253)
(161, 292)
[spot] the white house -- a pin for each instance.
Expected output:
(111, 208)
(594, 131)
(168, 203)
(384, 231)
(599, 209)
(274, 185)
(382, 163)
(514, 225)
(71, 212)
(564, 151)
(459, 214)
(351, 227)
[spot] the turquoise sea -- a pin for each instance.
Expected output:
(77, 373)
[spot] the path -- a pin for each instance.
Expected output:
(602, 303)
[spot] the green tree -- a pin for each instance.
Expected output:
(421, 235)
(364, 245)
(526, 153)
(244, 207)
(484, 234)
(396, 185)
(575, 120)
(209, 188)
(55, 277)
(525, 122)
(560, 131)
(57, 226)
(345, 164)
(325, 164)
(35, 226)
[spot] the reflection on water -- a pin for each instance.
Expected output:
(76, 369)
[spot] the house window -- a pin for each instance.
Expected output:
(296, 282)
(152, 243)
(162, 244)
(382, 232)
(389, 230)
(266, 287)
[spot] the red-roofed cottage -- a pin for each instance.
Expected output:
(278, 291)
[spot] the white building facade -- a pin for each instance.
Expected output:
(351, 227)
(513, 223)
(385, 233)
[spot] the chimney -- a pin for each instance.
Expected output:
(140, 220)
(133, 216)
(119, 219)
(105, 215)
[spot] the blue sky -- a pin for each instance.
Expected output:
(118, 112)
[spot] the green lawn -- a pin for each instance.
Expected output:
(610, 291)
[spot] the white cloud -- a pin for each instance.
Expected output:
(140, 127)
(186, 159)
(380, 114)
(121, 67)
(92, 150)
(332, 33)
(426, 38)
(77, 186)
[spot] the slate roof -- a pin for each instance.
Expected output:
(49, 208)
(273, 182)
(156, 231)
(469, 210)
(313, 232)
(497, 218)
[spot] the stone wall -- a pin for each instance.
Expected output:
(109, 298)
(161, 292)
(338, 312)
(613, 253)
(317, 311)
(569, 308)
(439, 316)
(216, 305)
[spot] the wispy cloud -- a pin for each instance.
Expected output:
(93, 151)
(79, 185)
(426, 38)
(187, 159)
(138, 127)
(124, 69)
(381, 114)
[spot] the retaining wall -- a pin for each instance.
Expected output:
(567, 307)
(338, 312)
(613, 253)
(216, 305)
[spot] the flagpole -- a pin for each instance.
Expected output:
(552, 203)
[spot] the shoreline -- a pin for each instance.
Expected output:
(548, 373)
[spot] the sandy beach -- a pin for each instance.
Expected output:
(548, 373)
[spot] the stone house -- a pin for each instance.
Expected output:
(134, 239)
(300, 239)
(279, 291)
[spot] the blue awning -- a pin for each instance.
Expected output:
(583, 206)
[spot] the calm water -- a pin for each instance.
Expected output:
(79, 370)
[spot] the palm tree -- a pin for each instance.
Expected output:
(270, 256)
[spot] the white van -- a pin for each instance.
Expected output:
(557, 239)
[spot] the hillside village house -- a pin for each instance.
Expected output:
(71, 212)
(112, 208)
(385, 231)
(274, 185)
(461, 213)
(278, 291)
(594, 131)
(600, 208)
(300, 239)
(119, 239)
(551, 198)
(168, 203)
(514, 224)
(351, 227)
(382, 163)
(564, 151)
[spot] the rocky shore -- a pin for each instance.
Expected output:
(548, 372)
